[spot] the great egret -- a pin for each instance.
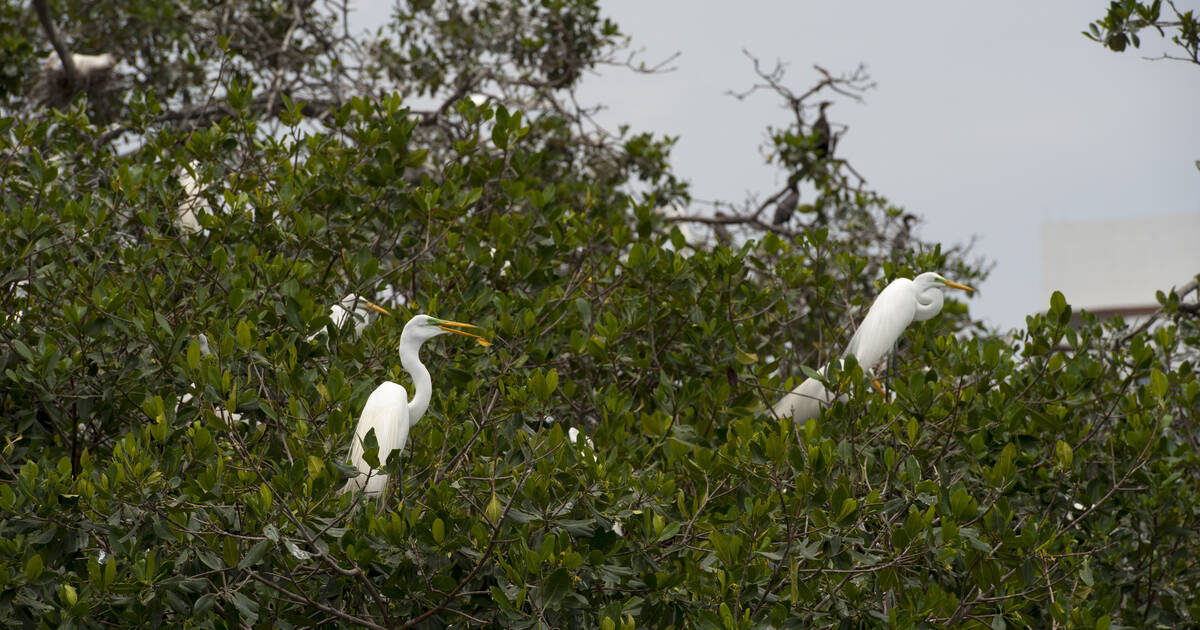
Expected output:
(353, 305)
(899, 304)
(389, 411)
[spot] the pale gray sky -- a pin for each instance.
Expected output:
(988, 119)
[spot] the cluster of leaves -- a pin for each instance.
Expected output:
(1045, 478)
(1126, 18)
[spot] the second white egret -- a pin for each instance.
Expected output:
(899, 304)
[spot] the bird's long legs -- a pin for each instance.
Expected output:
(891, 371)
(399, 483)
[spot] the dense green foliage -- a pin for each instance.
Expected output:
(1049, 477)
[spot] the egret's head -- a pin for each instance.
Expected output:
(354, 302)
(423, 327)
(934, 279)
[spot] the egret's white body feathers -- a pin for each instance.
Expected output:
(386, 411)
(804, 402)
(899, 304)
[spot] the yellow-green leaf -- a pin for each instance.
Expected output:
(1158, 383)
(33, 567)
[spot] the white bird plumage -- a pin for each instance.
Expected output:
(352, 306)
(87, 65)
(899, 304)
(185, 216)
(388, 409)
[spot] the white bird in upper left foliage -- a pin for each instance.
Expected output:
(389, 411)
(900, 303)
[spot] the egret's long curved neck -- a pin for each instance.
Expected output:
(929, 304)
(422, 384)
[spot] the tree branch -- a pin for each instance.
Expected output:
(68, 60)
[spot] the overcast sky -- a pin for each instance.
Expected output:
(989, 119)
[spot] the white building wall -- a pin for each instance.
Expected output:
(1117, 265)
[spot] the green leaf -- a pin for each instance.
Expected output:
(22, 350)
(1057, 302)
(500, 136)
(244, 336)
(494, 509)
(33, 567)
(193, 355)
(668, 531)
(1158, 383)
(726, 616)
(296, 551)
(246, 606)
(370, 444)
(255, 555)
(68, 595)
(556, 586)
(1065, 454)
(203, 604)
(849, 505)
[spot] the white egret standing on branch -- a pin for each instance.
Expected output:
(899, 304)
(389, 411)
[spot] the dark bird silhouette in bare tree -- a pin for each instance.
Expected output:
(786, 207)
(821, 129)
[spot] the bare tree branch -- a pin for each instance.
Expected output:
(64, 54)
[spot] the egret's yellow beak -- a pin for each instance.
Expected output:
(375, 307)
(453, 327)
(955, 285)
